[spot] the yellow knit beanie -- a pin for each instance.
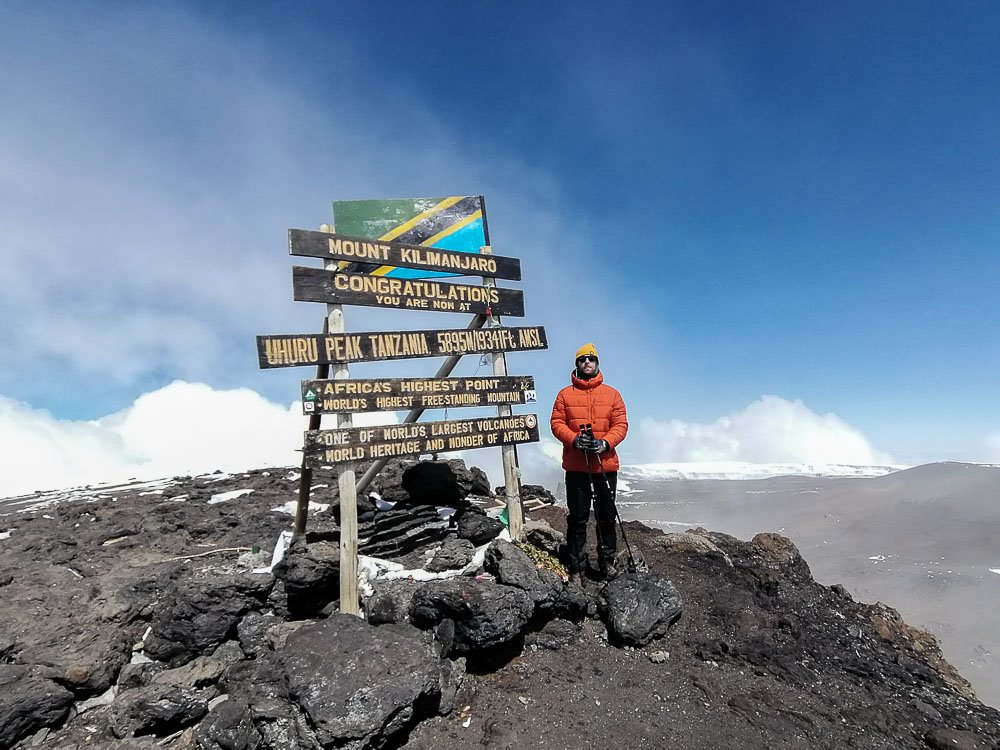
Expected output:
(586, 349)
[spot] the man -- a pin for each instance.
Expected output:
(590, 460)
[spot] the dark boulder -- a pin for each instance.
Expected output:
(638, 607)
(512, 567)
(554, 635)
(359, 685)
(453, 554)
(311, 576)
(437, 482)
(252, 632)
(29, 702)
(365, 508)
(229, 727)
(390, 601)
(485, 614)
(480, 483)
(196, 615)
(156, 709)
(539, 533)
(199, 672)
(474, 525)
(531, 492)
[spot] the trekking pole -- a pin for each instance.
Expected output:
(614, 504)
(593, 496)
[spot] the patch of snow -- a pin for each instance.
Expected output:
(995, 570)
(223, 497)
(280, 547)
(5, 534)
(725, 470)
(219, 477)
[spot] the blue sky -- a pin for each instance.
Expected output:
(734, 201)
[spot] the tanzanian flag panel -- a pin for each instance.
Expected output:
(454, 223)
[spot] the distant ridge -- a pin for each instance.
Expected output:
(736, 470)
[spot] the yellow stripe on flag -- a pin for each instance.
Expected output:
(446, 203)
(429, 242)
(395, 232)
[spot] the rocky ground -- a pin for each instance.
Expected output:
(146, 616)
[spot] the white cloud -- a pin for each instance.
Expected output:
(183, 428)
(191, 428)
(770, 430)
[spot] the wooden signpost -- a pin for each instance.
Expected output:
(328, 246)
(397, 394)
(293, 350)
(341, 396)
(390, 441)
(318, 285)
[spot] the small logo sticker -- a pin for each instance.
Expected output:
(530, 397)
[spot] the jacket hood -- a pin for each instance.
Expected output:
(586, 384)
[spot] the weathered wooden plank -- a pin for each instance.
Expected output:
(365, 443)
(320, 285)
(292, 350)
(397, 394)
(306, 243)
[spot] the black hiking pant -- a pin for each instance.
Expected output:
(581, 489)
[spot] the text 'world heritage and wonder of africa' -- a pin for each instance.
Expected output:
(386, 441)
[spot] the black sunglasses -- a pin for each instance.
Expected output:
(586, 358)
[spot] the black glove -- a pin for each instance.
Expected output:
(584, 442)
(598, 445)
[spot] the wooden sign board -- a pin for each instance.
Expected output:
(397, 394)
(292, 350)
(306, 243)
(386, 441)
(339, 288)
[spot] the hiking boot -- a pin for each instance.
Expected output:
(609, 572)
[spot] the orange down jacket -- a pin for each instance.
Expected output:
(589, 402)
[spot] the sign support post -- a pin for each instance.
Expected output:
(511, 472)
(345, 481)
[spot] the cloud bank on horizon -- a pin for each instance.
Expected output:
(191, 428)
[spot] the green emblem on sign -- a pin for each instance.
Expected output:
(310, 396)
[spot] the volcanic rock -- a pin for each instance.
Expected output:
(437, 482)
(311, 576)
(156, 709)
(512, 567)
(485, 614)
(197, 615)
(29, 702)
(361, 685)
(639, 607)
(453, 554)
(474, 525)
